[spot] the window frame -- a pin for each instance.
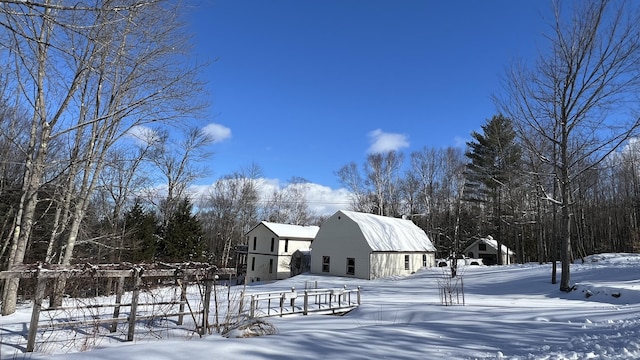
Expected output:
(326, 263)
(351, 266)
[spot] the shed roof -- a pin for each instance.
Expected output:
(390, 234)
(489, 240)
(292, 231)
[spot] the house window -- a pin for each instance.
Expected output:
(482, 247)
(273, 242)
(406, 262)
(424, 260)
(254, 242)
(351, 266)
(253, 263)
(326, 260)
(286, 245)
(270, 266)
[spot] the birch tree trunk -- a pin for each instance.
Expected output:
(89, 72)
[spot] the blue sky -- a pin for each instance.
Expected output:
(303, 87)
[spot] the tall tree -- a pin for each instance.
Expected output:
(289, 204)
(573, 95)
(182, 238)
(228, 211)
(383, 170)
(495, 159)
(87, 73)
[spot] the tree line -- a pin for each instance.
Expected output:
(92, 93)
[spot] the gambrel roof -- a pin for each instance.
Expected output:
(390, 234)
(291, 231)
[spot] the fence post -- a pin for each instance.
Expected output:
(215, 302)
(35, 314)
(358, 295)
(116, 309)
(305, 309)
(253, 307)
(282, 303)
(183, 282)
(208, 287)
(134, 303)
(293, 298)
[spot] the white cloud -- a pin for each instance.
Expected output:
(217, 132)
(323, 200)
(382, 142)
(143, 135)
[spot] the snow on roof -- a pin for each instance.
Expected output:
(390, 234)
(292, 231)
(489, 240)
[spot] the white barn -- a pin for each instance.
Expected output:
(270, 246)
(487, 250)
(370, 246)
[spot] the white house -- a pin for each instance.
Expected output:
(370, 246)
(270, 246)
(487, 250)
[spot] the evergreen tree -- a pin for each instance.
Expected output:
(182, 238)
(495, 160)
(142, 234)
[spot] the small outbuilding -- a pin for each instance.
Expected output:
(300, 262)
(370, 246)
(270, 246)
(487, 250)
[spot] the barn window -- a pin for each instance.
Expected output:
(254, 243)
(406, 262)
(273, 242)
(482, 247)
(270, 266)
(424, 260)
(286, 245)
(326, 260)
(253, 263)
(351, 266)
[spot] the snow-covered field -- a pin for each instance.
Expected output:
(510, 312)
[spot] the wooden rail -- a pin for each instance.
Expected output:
(332, 301)
(181, 273)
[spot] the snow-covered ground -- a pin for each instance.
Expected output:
(510, 312)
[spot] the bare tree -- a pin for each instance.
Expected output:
(177, 162)
(88, 73)
(573, 94)
(229, 210)
(289, 204)
(382, 172)
(349, 176)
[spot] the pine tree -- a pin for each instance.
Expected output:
(142, 234)
(491, 175)
(182, 238)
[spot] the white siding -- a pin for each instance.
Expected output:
(386, 264)
(342, 237)
(272, 263)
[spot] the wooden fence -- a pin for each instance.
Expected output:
(182, 274)
(332, 301)
(132, 278)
